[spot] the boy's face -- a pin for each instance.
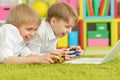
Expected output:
(61, 27)
(27, 31)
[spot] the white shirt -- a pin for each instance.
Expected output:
(11, 42)
(45, 40)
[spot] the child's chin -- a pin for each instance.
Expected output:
(26, 40)
(60, 36)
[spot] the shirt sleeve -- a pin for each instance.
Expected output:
(8, 40)
(35, 44)
(26, 51)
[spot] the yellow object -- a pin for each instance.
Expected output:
(62, 59)
(62, 42)
(116, 30)
(81, 9)
(41, 7)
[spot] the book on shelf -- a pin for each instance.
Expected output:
(90, 7)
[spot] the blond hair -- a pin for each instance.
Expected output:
(62, 10)
(23, 14)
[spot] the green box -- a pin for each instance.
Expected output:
(98, 34)
(101, 26)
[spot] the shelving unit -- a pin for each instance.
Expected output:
(94, 39)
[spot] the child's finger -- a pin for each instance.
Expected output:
(82, 52)
(50, 60)
(69, 57)
(54, 53)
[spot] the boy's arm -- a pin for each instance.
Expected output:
(26, 51)
(19, 60)
(32, 59)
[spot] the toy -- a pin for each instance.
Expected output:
(62, 59)
(41, 7)
(76, 53)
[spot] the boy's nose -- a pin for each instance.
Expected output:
(32, 33)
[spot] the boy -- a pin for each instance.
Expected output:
(21, 25)
(61, 18)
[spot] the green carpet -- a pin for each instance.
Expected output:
(107, 71)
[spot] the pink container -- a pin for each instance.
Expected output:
(98, 42)
(74, 3)
(4, 10)
(64, 1)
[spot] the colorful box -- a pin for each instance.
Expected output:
(64, 0)
(73, 38)
(98, 34)
(62, 42)
(98, 42)
(4, 10)
(74, 3)
(101, 26)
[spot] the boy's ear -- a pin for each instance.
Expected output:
(53, 21)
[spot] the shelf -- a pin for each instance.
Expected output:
(90, 26)
(89, 14)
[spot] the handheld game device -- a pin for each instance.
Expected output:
(62, 58)
(75, 52)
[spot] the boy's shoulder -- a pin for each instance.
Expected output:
(9, 30)
(8, 27)
(44, 27)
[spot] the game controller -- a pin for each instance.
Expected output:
(62, 58)
(75, 52)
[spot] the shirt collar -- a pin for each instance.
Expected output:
(50, 32)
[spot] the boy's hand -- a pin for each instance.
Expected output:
(76, 50)
(68, 53)
(60, 60)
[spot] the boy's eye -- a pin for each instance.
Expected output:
(67, 26)
(29, 29)
(35, 29)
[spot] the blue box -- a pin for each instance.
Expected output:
(73, 38)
